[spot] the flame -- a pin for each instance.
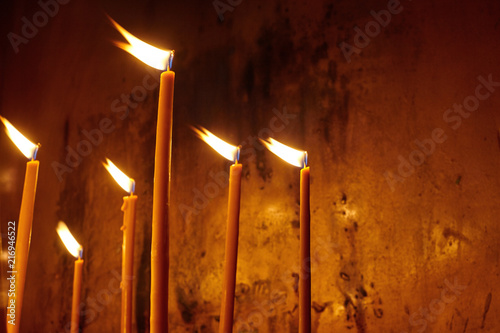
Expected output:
(148, 54)
(69, 241)
(288, 154)
(228, 151)
(27, 147)
(126, 183)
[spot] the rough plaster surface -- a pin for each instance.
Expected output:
(383, 259)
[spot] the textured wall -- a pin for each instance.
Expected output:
(396, 247)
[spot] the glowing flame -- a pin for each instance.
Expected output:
(69, 241)
(228, 151)
(28, 148)
(126, 183)
(148, 54)
(288, 154)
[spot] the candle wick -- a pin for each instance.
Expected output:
(80, 252)
(305, 159)
(237, 155)
(170, 60)
(35, 151)
(132, 186)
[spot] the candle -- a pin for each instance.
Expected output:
(161, 206)
(233, 217)
(159, 59)
(128, 208)
(22, 246)
(305, 255)
(299, 158)
(77, 292)
(76, 250)
(229, 279)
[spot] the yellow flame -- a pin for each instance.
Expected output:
(122, 179)
(69, 241)
(148, 54)
(288, 154)
(225, 149)
(27, 147)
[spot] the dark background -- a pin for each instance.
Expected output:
(385, 253)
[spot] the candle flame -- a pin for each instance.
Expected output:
(28, 148)
(288, 154)
(228, 151)
(69, 241)
(126, 183)
(148, 54)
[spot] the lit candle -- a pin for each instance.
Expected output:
(128, 208)
(233, 217)
(22, 246)
(299, 158)
(76, 250)
(159, 59)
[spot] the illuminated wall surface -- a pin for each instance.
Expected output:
(396, 103)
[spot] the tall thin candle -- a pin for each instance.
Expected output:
(233, 220)
(76, 250)
(159, 59)
(22, 246)
(305, 254)
(128, 208)
(299, 158)
(161, 206)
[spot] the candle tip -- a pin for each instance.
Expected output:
(147, 53)
(227, 150)
(68, 240)
(293, 156)
(125, 182)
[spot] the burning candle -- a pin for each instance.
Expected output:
(299, 158)
(22, 246)
(159, 59)
(233, 217)
(128, 208)
(76, 250)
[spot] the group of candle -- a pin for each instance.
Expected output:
(161, 59)
(22, 242)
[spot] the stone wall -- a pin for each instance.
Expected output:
(391, 100)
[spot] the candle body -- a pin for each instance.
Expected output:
(128, 208)
(229, 279)
(305, 255)
(161, 205)
(23, 241)
(77, 293)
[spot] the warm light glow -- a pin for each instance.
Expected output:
(126, 183)
(69, 241)
(27, 147)
(148, 54)
(225, 149)
(290, 155)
